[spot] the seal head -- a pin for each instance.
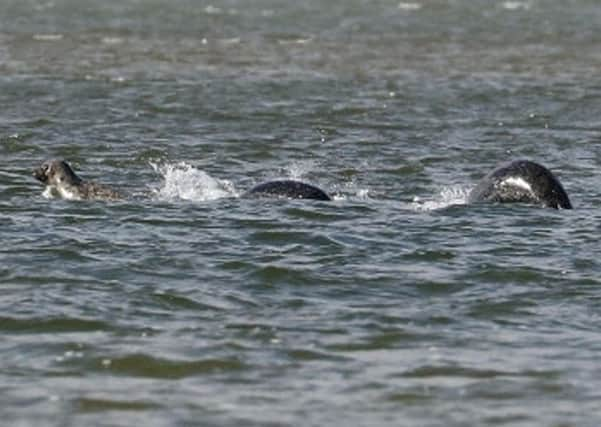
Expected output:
(61, 181)
(521, 181)
(56, 172)
(288, 188)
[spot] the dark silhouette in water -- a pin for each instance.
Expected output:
(521, 181)
(63, 182)
(288, 188)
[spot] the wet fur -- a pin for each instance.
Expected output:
(521, 181)
(61, 181)
(288, 188)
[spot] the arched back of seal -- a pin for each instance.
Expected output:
(288, 188)
(521, 181)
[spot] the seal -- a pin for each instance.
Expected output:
(521, 181)
(61, 181)
(288, 188)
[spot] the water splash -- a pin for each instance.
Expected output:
(350, 192)
(299, 169)
(182, 181)
(448, 196)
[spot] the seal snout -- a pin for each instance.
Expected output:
(40, 173)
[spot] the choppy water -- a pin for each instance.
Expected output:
(395, 304)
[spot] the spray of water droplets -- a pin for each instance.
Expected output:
(182, 181)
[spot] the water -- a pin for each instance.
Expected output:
(395, 304)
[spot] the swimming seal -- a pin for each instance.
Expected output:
(521, 181)
(288, 188)
(61, 181)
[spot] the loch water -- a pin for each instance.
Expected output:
(397, 303)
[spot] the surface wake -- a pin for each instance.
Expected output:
(447, 196)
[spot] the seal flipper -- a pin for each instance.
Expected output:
(521, 181)
(288, 188)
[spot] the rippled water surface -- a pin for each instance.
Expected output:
(394, 304)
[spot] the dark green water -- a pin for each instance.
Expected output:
(396, 304)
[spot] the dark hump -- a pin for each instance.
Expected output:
(503, 185)
(289, 189)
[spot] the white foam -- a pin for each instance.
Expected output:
(213, 10)
(112, 40)
(182, 181)
(448, 196)
(349, 192)
(362, 193)
(516, 5)
(48, 37)
(54, 192)
(300, 41)
(410, 6)
(49, 192)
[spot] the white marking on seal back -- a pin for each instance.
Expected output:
(517, 182)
